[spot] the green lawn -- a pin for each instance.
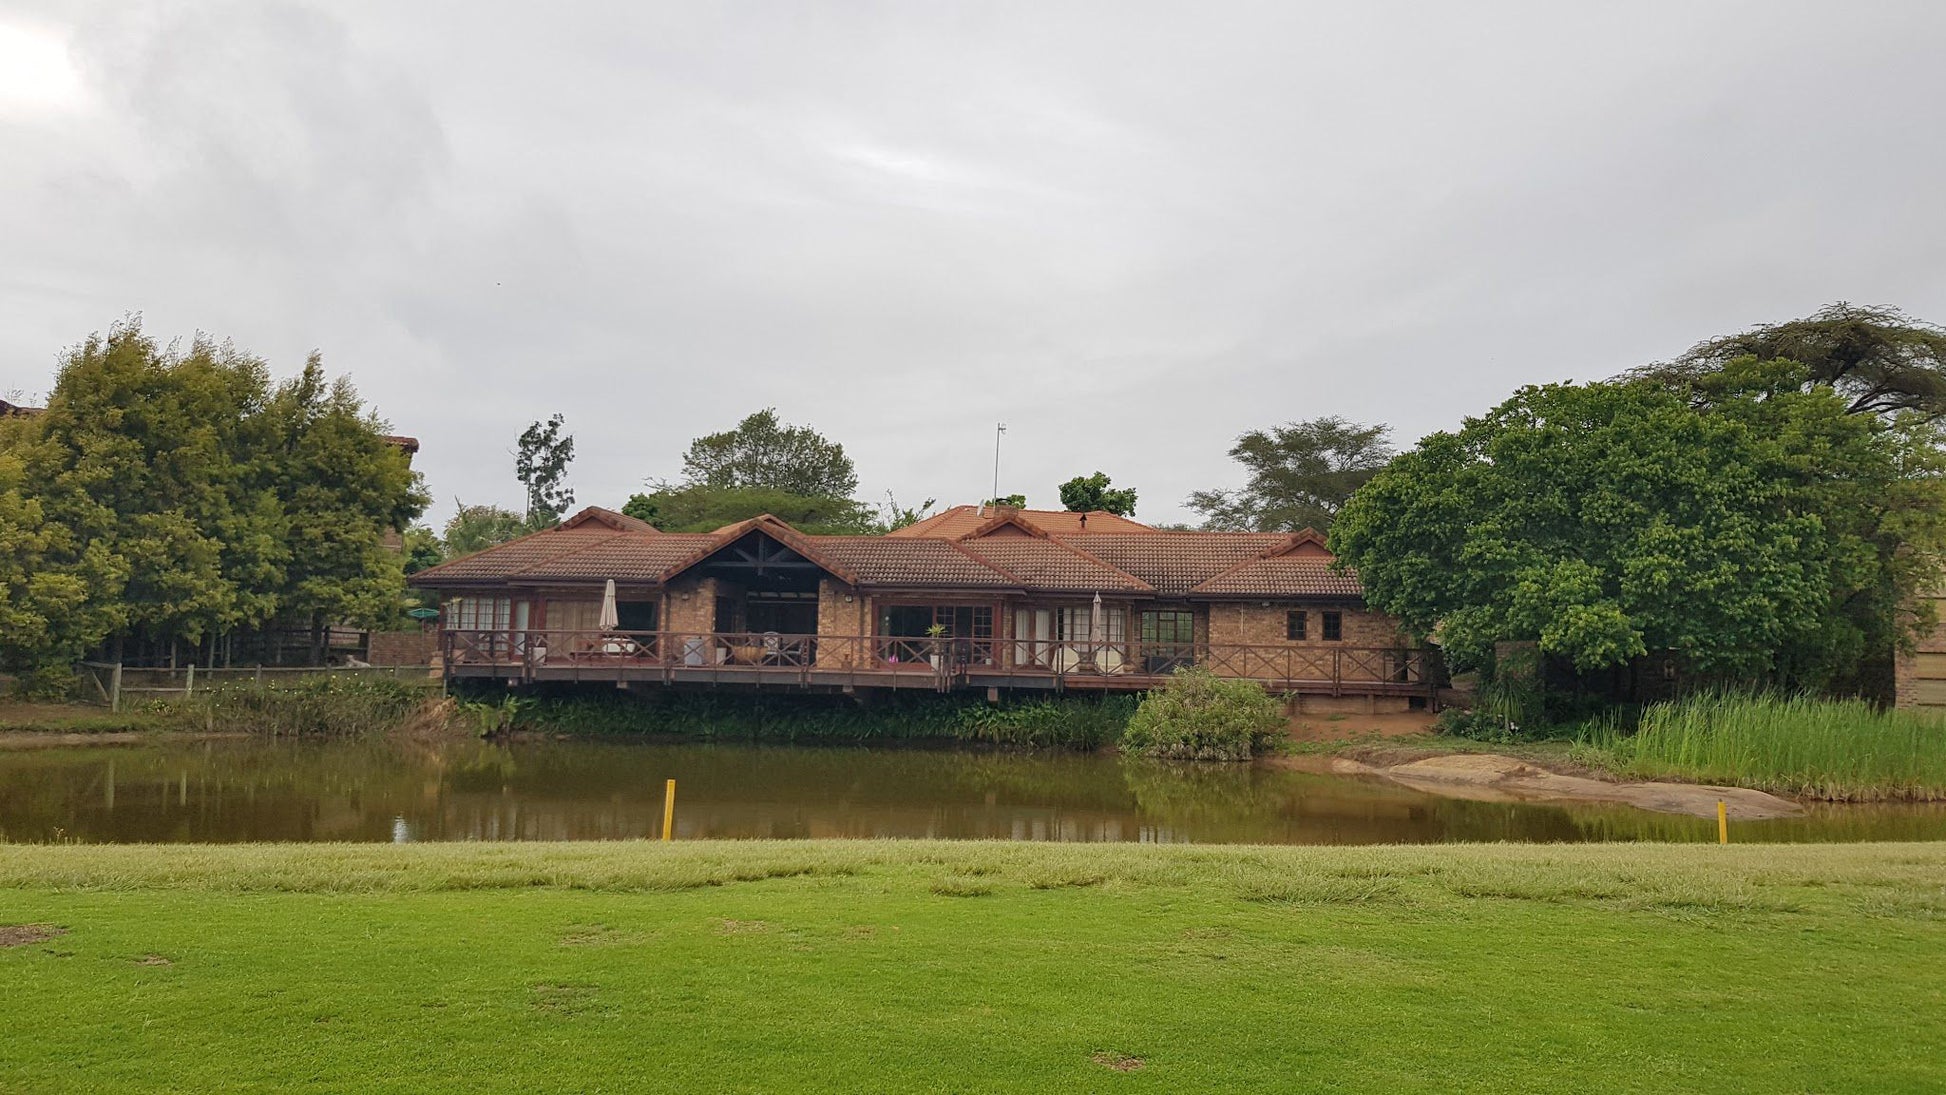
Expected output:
(861, 966)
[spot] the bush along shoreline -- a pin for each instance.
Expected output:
(1044, 722)
(320, 706)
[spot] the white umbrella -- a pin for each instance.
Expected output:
(1096, 632)
(610, 617)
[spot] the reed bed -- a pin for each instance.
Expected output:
(1836, 750)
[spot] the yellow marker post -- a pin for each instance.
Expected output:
(669, 810)
(1722, 822)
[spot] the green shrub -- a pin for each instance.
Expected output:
(1198, 715)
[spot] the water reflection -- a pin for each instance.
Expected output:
(406, 791)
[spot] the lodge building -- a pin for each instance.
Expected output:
(971, 598)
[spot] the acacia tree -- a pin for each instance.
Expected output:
(1880, 360)
(1301, 474)
(762, 451)
(1087, 493)
(1604, 521)
(541, 465)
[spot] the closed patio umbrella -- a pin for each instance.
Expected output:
(611, 618)
(1097, 633)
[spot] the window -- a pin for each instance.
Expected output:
(1168, 641)
(1294, 626)
(1074, 624)
(1168, 628)
(1334, 626)
(479, 613)
(959, 621)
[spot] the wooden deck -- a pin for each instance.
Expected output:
(850, 663)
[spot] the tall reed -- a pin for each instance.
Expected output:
(1840, 750)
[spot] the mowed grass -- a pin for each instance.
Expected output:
(923, 966)
(1841, 750)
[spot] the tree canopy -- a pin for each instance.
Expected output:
(192, 497)
(1880, 360)
(1301, 474)
(478, 527)
(1770, 535)
(541, 464)
(674, 508)
(1088, 493)
(763, 453)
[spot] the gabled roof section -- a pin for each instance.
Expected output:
(1045, 564)
(777, 530)
(1175, 562)
(959, 522)
(608, 518)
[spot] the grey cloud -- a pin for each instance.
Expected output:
(1131, 230)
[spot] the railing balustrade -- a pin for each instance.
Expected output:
(531, 650)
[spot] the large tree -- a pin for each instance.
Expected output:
(1301, 474)
(541, 465)
(1880, 360)
(764, 453)
(1604, 521)
(216, 500)
(343, 488)
(1091, 493)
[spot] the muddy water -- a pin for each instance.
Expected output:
(242, 790)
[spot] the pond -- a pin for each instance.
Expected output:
(283, 789)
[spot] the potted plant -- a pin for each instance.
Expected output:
(937, 634)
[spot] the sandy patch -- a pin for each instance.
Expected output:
(21, 935)
(1490, 777)
(1118, 1062)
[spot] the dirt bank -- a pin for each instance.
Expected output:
(1491, 777)
(1343, 727)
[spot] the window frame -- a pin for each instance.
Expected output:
(1331, 626)
(1297, 625)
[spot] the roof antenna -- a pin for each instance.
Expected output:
(998, 429)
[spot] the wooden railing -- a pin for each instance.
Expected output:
(526, 652)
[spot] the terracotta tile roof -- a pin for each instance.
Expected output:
(1283, 576)
(625, 557)
(1176, 562)
(892, 561)
(515, 556)
(1045, 564)
(595, 515)
(962, 521)
(409, 444)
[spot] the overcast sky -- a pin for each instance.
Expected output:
(1129, 230)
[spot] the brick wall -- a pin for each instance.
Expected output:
(414, 647)
(1919, 678)
(839, 617)
(1253, 624)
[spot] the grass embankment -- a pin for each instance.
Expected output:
(1070, 722)
(1839, 750)
(320, 706)
(850, 966)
